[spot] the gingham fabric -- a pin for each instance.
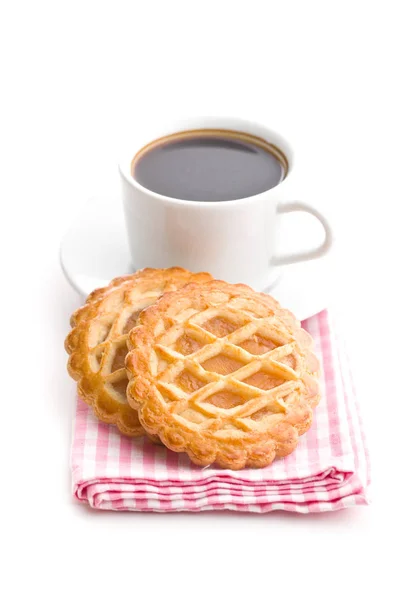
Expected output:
(329, 470)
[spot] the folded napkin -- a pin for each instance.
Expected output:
(329, 469)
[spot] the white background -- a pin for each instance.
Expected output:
(77, 79)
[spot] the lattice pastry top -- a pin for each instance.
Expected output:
(97, 342)
(223, 373)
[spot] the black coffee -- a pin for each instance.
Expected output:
(209, 166)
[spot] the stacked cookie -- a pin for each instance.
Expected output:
(212, 369)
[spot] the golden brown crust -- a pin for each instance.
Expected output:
(222, 373)
(97, 342)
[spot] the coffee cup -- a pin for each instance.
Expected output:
(207, 194)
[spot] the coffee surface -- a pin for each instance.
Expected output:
(212, 168)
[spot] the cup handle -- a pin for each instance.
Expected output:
(287, 259)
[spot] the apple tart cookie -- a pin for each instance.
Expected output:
(97, 343)
(222, 373)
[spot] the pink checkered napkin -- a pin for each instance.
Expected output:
(329, 469)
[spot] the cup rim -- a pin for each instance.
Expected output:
(209, 122)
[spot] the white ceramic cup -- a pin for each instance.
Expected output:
(235, 240)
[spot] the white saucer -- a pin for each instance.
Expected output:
(95, 250)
